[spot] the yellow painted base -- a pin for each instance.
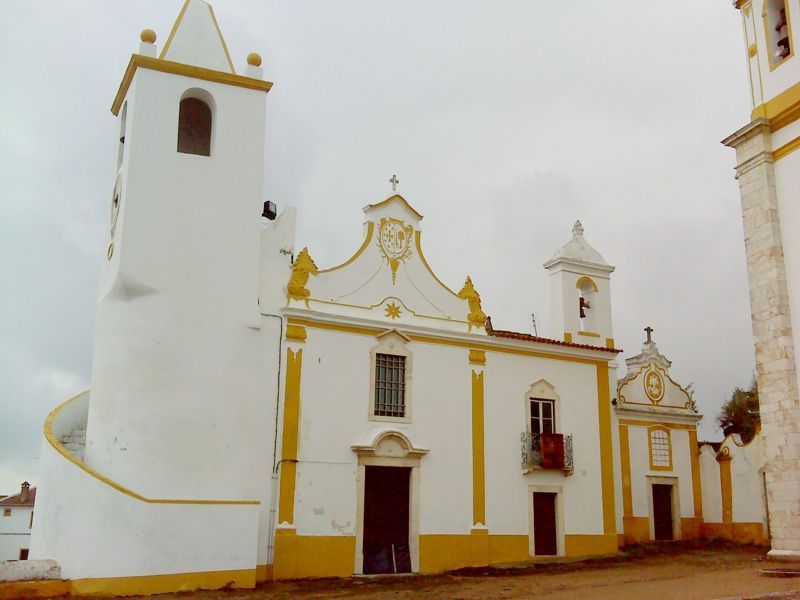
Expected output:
(744, 533)
(305, 556)
(590, 545)
(636, 529)
(160, 584)
(11, 590)
(264, 573)
(691, 528)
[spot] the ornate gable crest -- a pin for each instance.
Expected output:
(394, 240)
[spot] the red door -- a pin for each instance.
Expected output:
(544, 524)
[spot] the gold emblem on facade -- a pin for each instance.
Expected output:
(394, 239)
(393, 310)
(654, 385)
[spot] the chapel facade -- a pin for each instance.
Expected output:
(255, 416)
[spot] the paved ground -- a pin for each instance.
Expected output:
(680, 571)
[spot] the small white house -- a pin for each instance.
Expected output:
(16, 523)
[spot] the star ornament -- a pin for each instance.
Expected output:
(392, 310)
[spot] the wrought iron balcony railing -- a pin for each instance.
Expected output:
(547, 451)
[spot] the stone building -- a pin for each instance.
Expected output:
(768, 171)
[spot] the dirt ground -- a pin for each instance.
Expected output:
(680, 571)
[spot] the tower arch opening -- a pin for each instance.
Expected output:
(196, 122)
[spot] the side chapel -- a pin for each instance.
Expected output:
(254, 415)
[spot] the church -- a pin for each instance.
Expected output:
(254, 415)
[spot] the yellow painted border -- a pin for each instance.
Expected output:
(221, 39)
(168, 66)
(657, 424)
(59, 447)
(589, 334)
(296, 333)
(359, 252)
(418, 239)
(291, 433)
(781, 110)
(697, 489)
(177, 23)
(477, 357)
(478, 457)
(589, 280)
(650, 430)
(373, 331)
(146, 585)
(606, 450)
(768, 33)
(401, 199)
(787, 148)
(174, 29)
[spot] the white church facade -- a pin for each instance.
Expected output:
(255, 416)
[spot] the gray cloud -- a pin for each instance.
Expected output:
(504, 121)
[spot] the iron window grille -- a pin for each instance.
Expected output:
(390, 385)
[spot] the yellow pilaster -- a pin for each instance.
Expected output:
(606, 450)
(726, 487)
(697, 490)
(291, 430)
(478, 461)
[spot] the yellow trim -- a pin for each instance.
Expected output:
(373, 331)
(478, 458)
(304, 556)
(653, 466)
(625, 460)
(768, 33)
(657, 423)
(59, 447)
(568, 337)
(787, 148)
(589, 334)
(167, 66)
(158, 584)
(291, 431)
(48, 588)
(586, 279)
(396, 197)
(372, 306)
(222, 39)
(697, 490)
(726, 488)
(606, 451)
(781, 110)
(359, 252)
(296, 333)
(263, 573)
(590, 545)
(418, 236)
(477, 357)
(174, 29)
(609, 342)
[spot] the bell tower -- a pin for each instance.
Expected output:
(177, 357)
(580, 293)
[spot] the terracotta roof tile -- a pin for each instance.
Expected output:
(15, 499)
(526, 337)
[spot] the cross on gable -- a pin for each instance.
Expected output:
(649, 331)
(394, 181)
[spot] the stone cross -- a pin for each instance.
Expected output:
(649, 331)
(394, 181)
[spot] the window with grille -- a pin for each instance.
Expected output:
(390, 385)
(660, 457)
(543, 415)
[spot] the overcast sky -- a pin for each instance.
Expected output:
(504, 121)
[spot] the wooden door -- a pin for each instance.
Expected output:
(545, 542)
(662, 511)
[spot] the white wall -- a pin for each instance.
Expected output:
(15, 532)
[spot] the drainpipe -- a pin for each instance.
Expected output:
(275, 462)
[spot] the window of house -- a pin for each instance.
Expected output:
(30, 524)
(390, 378)
(778, 31)
(390, 385)
(660, 448)
(6, 512)
(194, 127)
(23, 554)
(543, 415)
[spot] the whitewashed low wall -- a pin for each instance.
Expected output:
(94, 530)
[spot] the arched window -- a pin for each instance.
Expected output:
(587, 295)
(778, 31)
(194, 127)
(660, 447)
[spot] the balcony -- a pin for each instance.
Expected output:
(546, 451)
